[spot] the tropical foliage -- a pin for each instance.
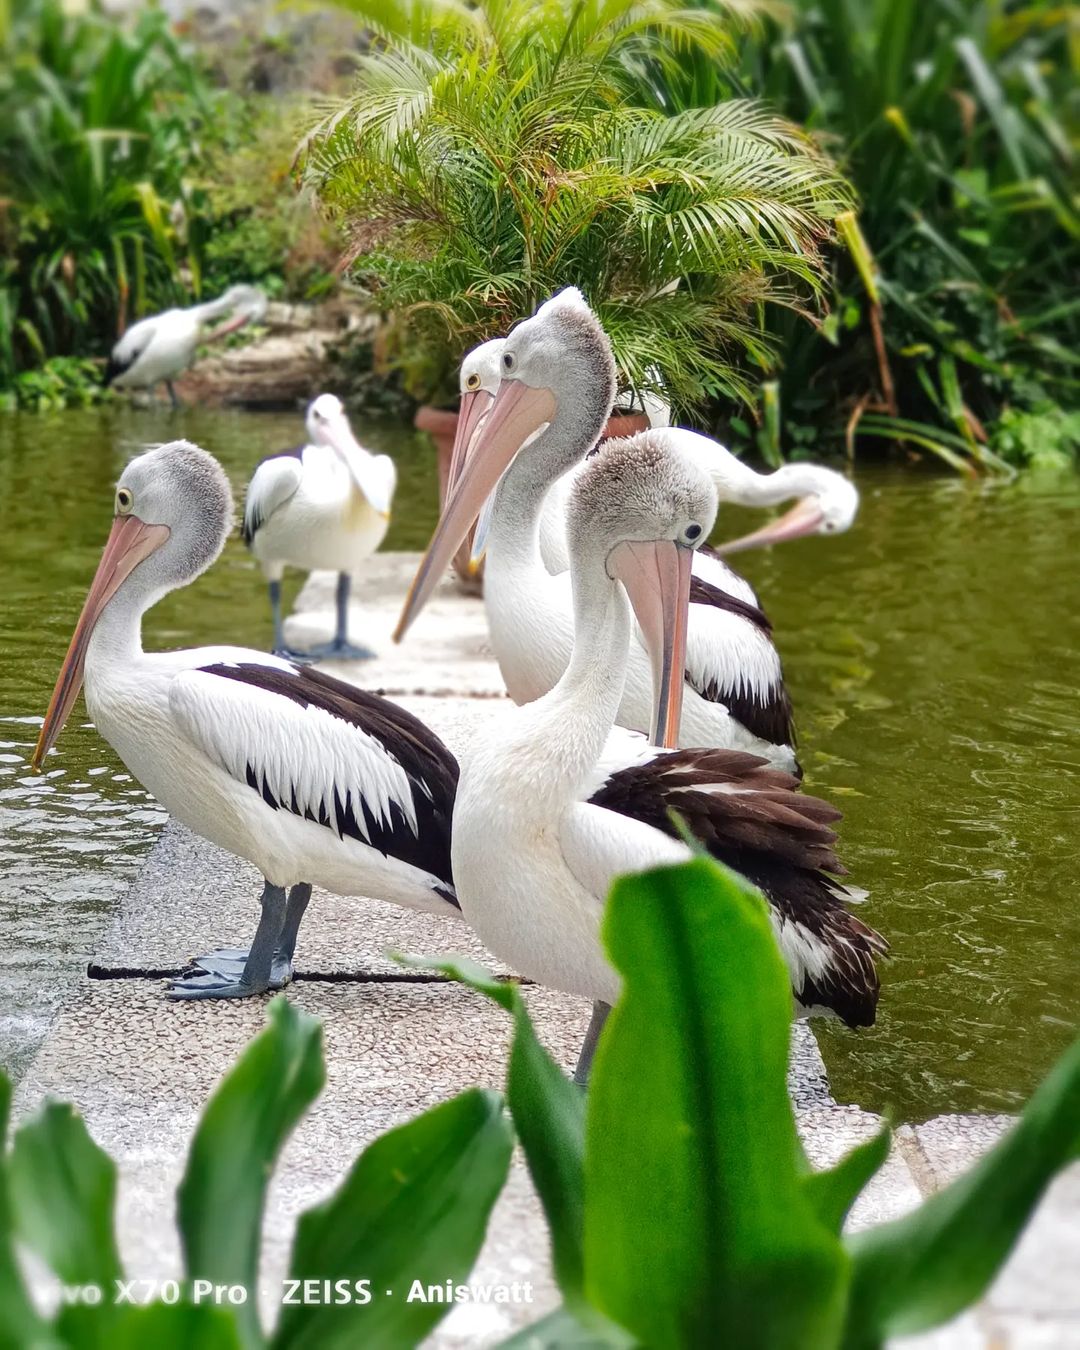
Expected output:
(130, 181)
(490, 155)
(956, 122)
(719, 1233)
(95, 143)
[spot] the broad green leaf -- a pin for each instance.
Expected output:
(565, 1330)
(63, 1192)
(20, 1324)
(549, 1116)
(412, 1213)
(833, 1192)
(921, 1270)
(246, 1122)
(177, 1326)
(698, 1229)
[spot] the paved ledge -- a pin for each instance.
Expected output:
(139, 1068)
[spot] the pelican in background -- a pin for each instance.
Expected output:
(827, 502)
(533, 858)
(326, 506)
(162, 346)
(308, 778)
(553, 402)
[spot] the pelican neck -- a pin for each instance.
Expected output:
(579, 712)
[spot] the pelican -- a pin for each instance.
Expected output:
(553, 400)
(162, 346)
(827, 502)
(533, 857)
(311, 780)
(325, 505)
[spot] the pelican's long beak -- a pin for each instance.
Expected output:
(229, 326)
(657, 580)
(474, 407)
(805, 517)
(516, 414)
(130, 541)
(360, 463)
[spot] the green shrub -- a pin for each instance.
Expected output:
(954, 119)
(682, 1209)
(95, 145)
(490, 155)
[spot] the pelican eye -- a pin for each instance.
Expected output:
(473, 382)
(692, 533)
(125, 500)
(508, 361)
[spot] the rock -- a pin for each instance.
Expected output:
(293, 356)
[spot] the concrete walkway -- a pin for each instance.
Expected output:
(140, 1068)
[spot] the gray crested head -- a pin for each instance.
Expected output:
(640, 488)
(564, 348)
(181, 486)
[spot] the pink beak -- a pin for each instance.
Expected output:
(805, 517)
(657, 580)
(130, 541)
(518, 411)
(229, 326)
(474, 407)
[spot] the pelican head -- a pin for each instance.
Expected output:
(556, 370)
(479, 383)
(328, 425)
(640, 509)
(173, 513)
(827, 504)
(244, 304)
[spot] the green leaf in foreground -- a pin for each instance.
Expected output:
(549, 1116)
(833, 1192)
(414, 1207)
(221, 1196)
(698, 1229)
(63, 1193)
(20, 1324)
(922, 1270)
(562, 1330)
(174, 1326)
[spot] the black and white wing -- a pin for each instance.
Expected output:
(274, 481)
(731, 659)
(324, 750)
(129, 348)
(751, 817)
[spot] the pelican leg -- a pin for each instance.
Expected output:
(281, 647)
(256, 973)
(230, 961)
(588, 1048)
(341, 649)
(172, 394)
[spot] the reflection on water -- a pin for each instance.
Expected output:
(931, 656)
(932, 660)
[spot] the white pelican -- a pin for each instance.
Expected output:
(162, 346)
(324, 505)
(552, 403)
(533, 859)
(306, 777)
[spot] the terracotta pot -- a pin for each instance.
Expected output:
(441, 425)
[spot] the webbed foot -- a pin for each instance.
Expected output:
(340, 651)
(210, 985)
(229, 962)
(297, 658)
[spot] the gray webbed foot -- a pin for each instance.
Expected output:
(210, 985)
(229, 962)
(340, 651)
(297, 658)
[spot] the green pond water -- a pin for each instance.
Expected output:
(931, 654)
